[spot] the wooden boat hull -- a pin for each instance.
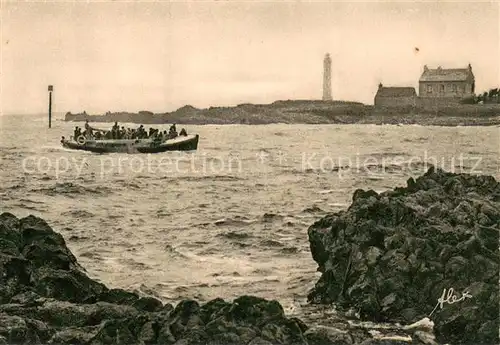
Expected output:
(181, 143)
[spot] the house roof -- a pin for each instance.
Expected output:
(446, 74)
(396, 92)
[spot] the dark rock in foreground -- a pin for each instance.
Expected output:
(46, 298)
(392, 255)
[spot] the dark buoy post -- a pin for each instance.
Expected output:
(51, 88)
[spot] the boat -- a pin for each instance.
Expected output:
(179, 143)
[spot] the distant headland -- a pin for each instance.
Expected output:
(310, 112)
(446, 97)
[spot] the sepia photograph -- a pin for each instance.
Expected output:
(257, 173)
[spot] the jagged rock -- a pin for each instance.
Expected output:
(328, 335)
(37, 259)
(74, 335)
(46, 297)
(148, 304)
(65, 314)
(259, 341)
(119, 296)
(391, 255)
(13, 328)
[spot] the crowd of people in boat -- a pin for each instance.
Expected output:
(126, 133)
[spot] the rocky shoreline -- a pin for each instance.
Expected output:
(47, 298)
(368, 255)
(396, 255)
(309, 112)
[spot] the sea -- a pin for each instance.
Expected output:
(228, 219)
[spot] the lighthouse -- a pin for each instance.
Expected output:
(327, 78)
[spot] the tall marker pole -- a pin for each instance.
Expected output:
(51, 88)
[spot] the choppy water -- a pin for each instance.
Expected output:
(231, 218)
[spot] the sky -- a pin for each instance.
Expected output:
(158, 56)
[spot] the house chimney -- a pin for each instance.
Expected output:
(380, 85)
(470, 67)
(426, 68)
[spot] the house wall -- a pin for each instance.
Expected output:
(395, 101)
(445, 89)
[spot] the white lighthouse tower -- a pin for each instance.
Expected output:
(327, 78)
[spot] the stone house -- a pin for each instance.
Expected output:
(456, 83)
(395, 96)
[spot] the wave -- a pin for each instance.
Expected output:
(233, 235)
(290, 250)
(327, 191)
(70, 188)
(76, 238)
(134, 264)
(90, 255)
(342, 167)
(162, 213)
(78, 214)
(129, 184)
(271, 243)
(13, 187)
(173, 252)
(203, 178)
(233, 222)
(29, 207)
(416, 140)
(263, 271)
(385, 154)
(32, 201)
(265, 150)
(146, 291)
(271, 217)
(313, 209)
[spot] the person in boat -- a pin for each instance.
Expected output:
(183, 133)
(114, 130)
(142, 132)
(88, 130)
(138, 132)
(172, 133)
(77, 133)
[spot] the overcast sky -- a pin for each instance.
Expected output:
(159, 56)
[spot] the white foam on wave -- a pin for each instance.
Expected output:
(425, 324)
(326, 191)
(396, 337)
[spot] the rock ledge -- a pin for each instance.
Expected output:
(392, 255)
